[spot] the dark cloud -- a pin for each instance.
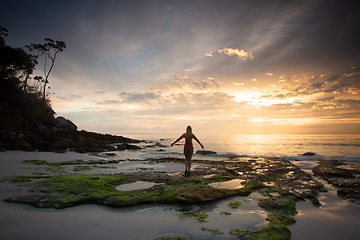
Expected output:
(176, 83)
(107, 102)
(180, 103)
(139, 97)
(278, 95)
(136, 38)
(337, 83)
(322, 35)
(328, 109)
(326, 99)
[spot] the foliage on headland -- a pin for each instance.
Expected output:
(26, 117)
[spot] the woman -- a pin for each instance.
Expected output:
(188, 147)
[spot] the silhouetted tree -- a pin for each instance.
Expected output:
(15, 63)
(21, 106)
(49, 50)
(3, 32)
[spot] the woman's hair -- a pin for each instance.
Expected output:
(188, 133)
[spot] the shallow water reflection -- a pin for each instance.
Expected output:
(232, 184)
(135, 186)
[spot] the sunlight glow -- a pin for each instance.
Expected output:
(275, 121)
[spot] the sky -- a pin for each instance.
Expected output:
(223, 67)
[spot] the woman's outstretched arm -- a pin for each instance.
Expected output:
(181, 137)
(194, 137)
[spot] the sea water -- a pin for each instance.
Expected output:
(286, 146)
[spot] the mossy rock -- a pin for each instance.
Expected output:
(234, 204)
(286, 205)
(276, 229)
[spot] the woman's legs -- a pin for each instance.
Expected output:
(188, 155)
(188, 162)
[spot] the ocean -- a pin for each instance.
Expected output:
(286, 146)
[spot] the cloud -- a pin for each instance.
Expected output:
(233, 52)
(107, 102)
(126, 45)
(142, 98)
(180, 103)
(326, 99)
(336, 83)
(343, 83)
(68, 97)
(176, 83)
(278, 95)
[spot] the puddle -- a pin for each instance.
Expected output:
(135, 186)
(269, 184)
(256, 195)
(274, 194)
(209, 176)
(233, 184)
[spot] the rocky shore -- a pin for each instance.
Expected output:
(60, 137)
(280, 182)
(343, 175)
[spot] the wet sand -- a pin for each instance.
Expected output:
(333, 220)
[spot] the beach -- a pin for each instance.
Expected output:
(333, 219)
(178, 120)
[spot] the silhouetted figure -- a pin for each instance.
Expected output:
(188, 147)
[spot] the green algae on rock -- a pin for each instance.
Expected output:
(69, 190)
(234, 203)
(225, 213)
(86, 168)
(66, 190)
(279, 181)
(188, 211)
(276, 229)
(79, 165)
(281, 211)
(281, 204)
(240, 232)
(19, 179)
(213, 231)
